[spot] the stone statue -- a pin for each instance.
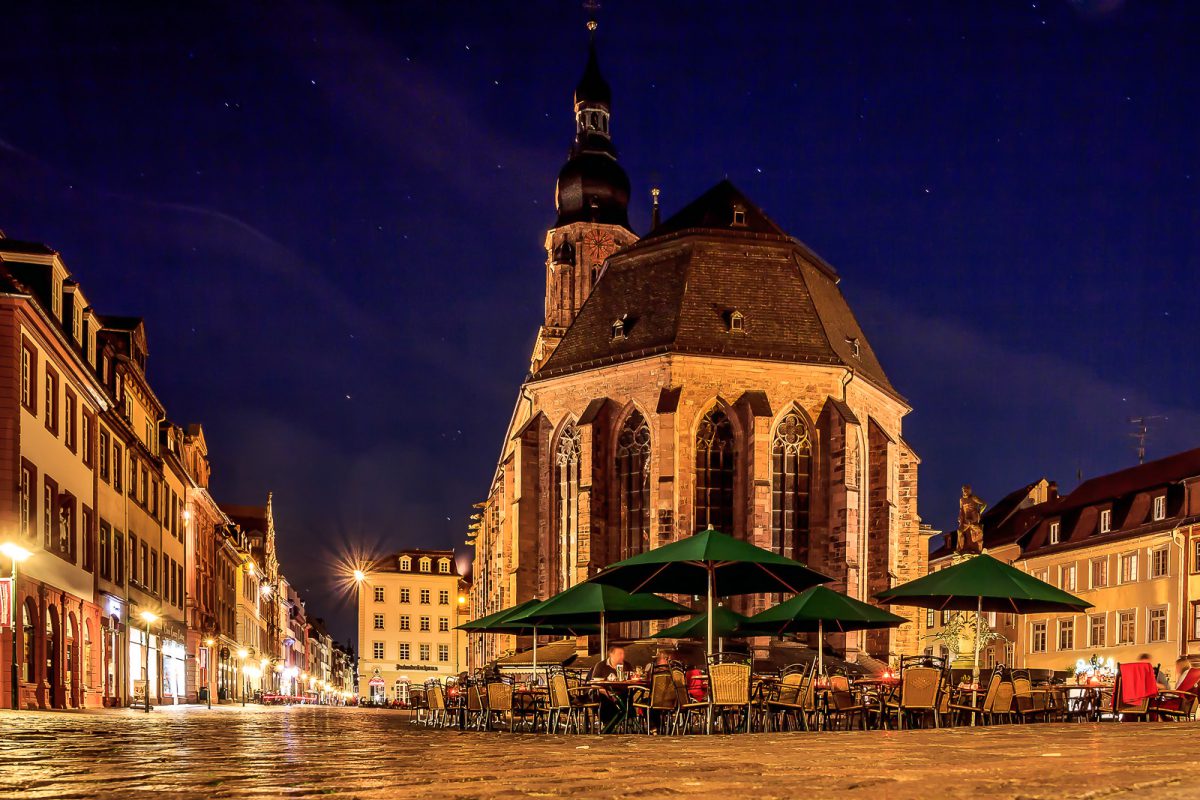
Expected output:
(970, 522)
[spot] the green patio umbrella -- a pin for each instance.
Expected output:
(725, 624)
(982, 583)
(814, 610)
(585, 603)
(713, 564)
(501, 622)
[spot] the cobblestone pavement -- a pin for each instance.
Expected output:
(353, 753)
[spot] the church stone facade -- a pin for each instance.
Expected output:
(709, 373)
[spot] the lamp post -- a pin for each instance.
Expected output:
(16, 554)
(148, 617)
(208, 644)
(242, 653)
(360, 577)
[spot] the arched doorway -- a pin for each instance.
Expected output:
(53, 660)
(71, 663)
(29, 644)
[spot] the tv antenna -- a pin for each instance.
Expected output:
(1141, 432)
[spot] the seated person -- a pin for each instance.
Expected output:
(611, 668)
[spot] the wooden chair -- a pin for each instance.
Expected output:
(984, 707)
(1119, 708)
(660, 698)
(788, 701)
(500, 703)
(729, 690)
(920, 692)
(1027, 704)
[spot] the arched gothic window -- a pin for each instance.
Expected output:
(716, 458)
(791, 468)
(566, 519)
(633, 485)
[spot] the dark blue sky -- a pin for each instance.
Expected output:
(331, 218)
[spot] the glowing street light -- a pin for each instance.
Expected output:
(208, 643)
(16, 554)
(359, 575)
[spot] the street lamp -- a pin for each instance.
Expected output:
(208, 643)
(242, 654)
(16, 554)
(148, 617)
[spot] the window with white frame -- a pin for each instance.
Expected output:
(444, 597)
(424, 652)
(444, 566)
(1159, 562)
(1099, 572)
(443, 653)
(378, 594)
(404, 623)
(405, 564)
(1010, 653)
(1042, 575)
(1129, 567)
(1067, 577)
(1066, 634)
(930, 618)
(1157, 630)
(1106, 520)
(1097, 630)
(1055, 532)
(378, 622)
(443, 624)
(424, 623)
(425, 564)
(377, 650)
(1126, 627)
(1160, 507)
(405, 651)
(1037, 637)
(404, 595)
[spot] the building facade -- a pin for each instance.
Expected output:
(709, 373)
(408, 611)
(1128, 543)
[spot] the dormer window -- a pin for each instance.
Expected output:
(1106, 520)
(739, 217)
(855, 350)
(1055, 532)
(405, 564)
(1160, 507)
(425, 564)
(735, 321)
(620, 327)
(444, 566)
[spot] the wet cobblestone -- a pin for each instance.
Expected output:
(351, 753)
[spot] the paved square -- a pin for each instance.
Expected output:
(360, 753)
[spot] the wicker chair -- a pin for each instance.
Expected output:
(660, 698)
(435, 697)
(729, 690)
(1027, 704)
(984, 708)
(499, 703)
(787, 702)
(560, 711)
(920, 695)
(844, 705)
(476, 712)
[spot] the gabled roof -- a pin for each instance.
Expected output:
(249, 518)
(30, 248)
(1162, 472)
(677, 289)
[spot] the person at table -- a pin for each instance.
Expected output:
(613, 666)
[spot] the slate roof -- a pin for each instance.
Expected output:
(31, 248)
(676, 289)
(1162, 472)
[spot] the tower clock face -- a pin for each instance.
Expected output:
(599, 244)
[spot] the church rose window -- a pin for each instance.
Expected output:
(633, 482)
(715, 464)
(566, 534)
(791, 467)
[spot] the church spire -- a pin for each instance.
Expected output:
(592, 187)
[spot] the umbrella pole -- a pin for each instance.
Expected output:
(820, 647)
(709, 625)
(978, 636)
(535, 655)
(603, 638)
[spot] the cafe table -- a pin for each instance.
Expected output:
(621, 694)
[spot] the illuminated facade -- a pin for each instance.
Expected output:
(1127, 542)
(707, 374)
(408, 609)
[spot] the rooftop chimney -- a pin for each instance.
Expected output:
(654, 214)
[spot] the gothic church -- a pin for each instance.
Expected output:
(707, 373)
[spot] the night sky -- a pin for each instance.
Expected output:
(331, 218)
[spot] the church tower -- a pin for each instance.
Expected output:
(592, 198)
